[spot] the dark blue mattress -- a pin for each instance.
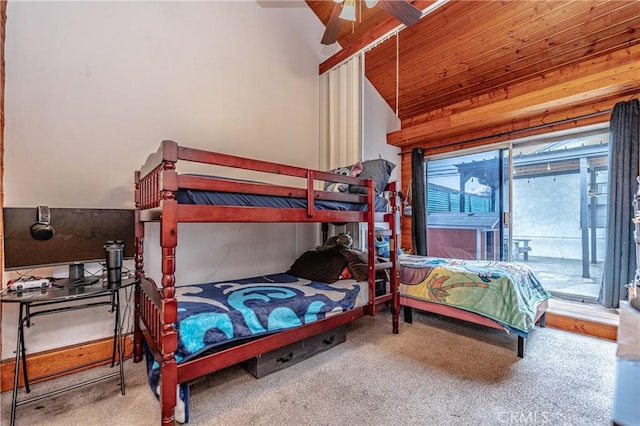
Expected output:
(188, 196)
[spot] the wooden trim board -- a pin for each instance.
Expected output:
(577, 325)
(64, 359)
(590, 319)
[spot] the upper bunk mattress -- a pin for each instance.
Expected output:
(189, 196)
(215, 314)
(506, 292)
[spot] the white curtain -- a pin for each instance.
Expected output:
(341, 122)
(341, 115)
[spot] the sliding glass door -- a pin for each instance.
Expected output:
(559, 209)
(542, 202)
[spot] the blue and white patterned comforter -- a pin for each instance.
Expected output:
(215, 314)
(219, 313)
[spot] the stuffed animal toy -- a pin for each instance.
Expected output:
(342, 239)
(352, 171)
(338, 187)
(382, 246)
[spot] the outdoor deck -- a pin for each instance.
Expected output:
(573, 304)
(563, 277)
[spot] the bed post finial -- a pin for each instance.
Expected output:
(169, 150)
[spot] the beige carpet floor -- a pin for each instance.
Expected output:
(437, 371)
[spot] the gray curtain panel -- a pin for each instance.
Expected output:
(418, 203)
(620, 256)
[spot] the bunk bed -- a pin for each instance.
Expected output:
(502, 295)
(164, 195)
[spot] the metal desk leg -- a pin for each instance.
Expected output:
(119, 343)
(117, 338)
(25, 374)
(115, 306)
(16, 372)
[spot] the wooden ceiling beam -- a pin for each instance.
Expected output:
(366, 39)
(579, 116)
(561, 74)
(533, 100)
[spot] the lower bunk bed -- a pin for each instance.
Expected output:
(189, 331)
(502, 295)
(221, 324)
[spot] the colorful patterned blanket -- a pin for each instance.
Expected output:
(219, 313)
(215, 314)
(506, 292)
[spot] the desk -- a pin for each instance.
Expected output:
(47, 301)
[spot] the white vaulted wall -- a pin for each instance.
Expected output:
(93, 87)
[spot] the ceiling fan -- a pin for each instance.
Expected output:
(402, 10)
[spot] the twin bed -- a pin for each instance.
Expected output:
(190, 331)
(502, 295)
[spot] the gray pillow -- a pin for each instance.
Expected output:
(379, 170)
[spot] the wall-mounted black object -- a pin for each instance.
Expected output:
(79, 237)
(42, 229)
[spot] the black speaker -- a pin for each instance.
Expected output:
(42, 230)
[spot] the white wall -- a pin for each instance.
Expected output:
(379, 119)
(93, 87)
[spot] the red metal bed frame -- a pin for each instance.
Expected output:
(156, 184)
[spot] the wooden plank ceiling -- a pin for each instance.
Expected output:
(466, 49)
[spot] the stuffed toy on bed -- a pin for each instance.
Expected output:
(352, 171)
(342, 239)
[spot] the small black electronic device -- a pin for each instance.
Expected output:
(42, 229)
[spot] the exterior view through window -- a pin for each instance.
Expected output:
(541, 202)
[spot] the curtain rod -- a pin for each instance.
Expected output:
(514, 132)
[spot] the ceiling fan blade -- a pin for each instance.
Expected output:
(333, 25)
(403, 11)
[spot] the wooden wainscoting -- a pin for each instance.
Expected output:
(65, 359)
